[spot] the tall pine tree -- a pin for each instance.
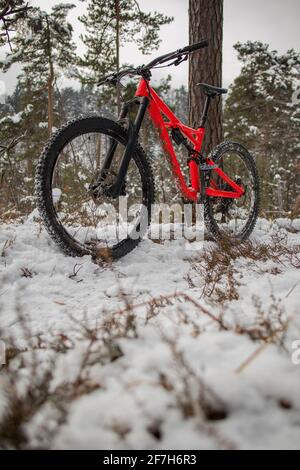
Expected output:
(110, 25)
(44, 47)
(260, 113)
(206, 22)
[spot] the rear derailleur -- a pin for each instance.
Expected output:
(225, 203)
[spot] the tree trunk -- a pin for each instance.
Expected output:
(50, 105)
(117, 11)
(206, 22)
(50, 80)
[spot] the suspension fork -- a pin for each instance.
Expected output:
(113, 143)
(133, 132)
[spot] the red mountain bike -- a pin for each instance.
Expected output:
(92, 161)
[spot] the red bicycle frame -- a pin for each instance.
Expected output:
(158, 110)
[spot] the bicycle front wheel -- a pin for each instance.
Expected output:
(84, 222)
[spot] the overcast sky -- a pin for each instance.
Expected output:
(272, 21)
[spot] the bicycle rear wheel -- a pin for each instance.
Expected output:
(226, 218)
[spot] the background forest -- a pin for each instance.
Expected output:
(259, 111)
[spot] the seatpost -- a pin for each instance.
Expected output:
(205, 112)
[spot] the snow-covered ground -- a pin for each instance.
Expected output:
(150, 353)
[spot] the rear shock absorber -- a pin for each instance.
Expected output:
(178, 137)
(193, 160)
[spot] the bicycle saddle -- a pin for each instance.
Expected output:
(212, 91)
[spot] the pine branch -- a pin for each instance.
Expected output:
(5, 17)
(7, 33)
(12, 144)
(7, 12)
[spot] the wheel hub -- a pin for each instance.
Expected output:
(103, 188)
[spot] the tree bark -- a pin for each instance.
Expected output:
(206, 22)
(50, 105)
(50, 81)
(117, 11)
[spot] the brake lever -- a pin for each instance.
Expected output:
(110, 79)
(180, 59)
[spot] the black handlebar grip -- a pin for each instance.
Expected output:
(195, 47)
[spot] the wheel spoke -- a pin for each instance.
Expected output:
(83, 218)
(234, 218)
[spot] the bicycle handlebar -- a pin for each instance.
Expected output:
(196, 46)
(173, 55)
(115, 77)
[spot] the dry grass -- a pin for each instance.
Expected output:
(189, 391)
(190, 394)
(216, 266)
(6, 246)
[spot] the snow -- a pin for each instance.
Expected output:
(56, 195)
(43, 125)
(15, 118)
(149, 384)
